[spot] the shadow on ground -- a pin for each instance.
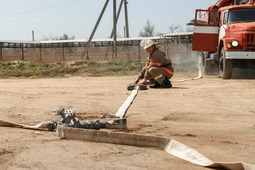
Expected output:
(243, 73)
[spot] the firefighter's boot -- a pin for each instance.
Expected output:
(166, 84)
(155, 85)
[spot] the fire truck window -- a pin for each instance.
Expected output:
(225, 18)
(202, 17)
(211, 20)
(241, 15)
(216, 18)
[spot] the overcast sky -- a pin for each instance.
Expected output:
(78, 17)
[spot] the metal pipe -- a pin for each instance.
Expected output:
(114, 50)
(127, 28)
(22, 51)
(124, 28)
(118, 14)
(1, 54)
(40, 49)
(139, 51)
(126, 18)
(33, 35)
(63, 51)
(120, 6)
(94, 30)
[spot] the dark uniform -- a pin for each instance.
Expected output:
(157, 68)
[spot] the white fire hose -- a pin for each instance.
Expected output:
(200, 70)
(171, 146)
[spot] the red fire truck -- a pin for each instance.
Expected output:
(225, 35)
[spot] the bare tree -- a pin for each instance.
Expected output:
(67, 37)
(190, 29)
(175, 28)
(148, 30)
(64, 37)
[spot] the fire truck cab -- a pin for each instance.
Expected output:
(225, 38)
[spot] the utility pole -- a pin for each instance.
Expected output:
(124, 32)
(93, 32)
(126, 17)
(127, 27)
(117, 18)
(111, 36)
(114, 49)
(114, 31)
(33, 35)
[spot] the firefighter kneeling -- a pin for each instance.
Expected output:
(158, 69)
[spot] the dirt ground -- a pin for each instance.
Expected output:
(213, 116)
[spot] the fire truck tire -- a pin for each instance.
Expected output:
(227, 69)
(226, 66)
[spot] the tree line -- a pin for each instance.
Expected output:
(147, 31)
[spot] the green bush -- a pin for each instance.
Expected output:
(21, 65)
(32, 64)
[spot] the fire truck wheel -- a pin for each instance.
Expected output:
(226, 66)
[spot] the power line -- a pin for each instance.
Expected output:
(38, 9)
(44, 17)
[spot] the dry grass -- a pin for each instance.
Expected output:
(24, 69)
(62, 69)
(67, 62)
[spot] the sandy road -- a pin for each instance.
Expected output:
(214, 116)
